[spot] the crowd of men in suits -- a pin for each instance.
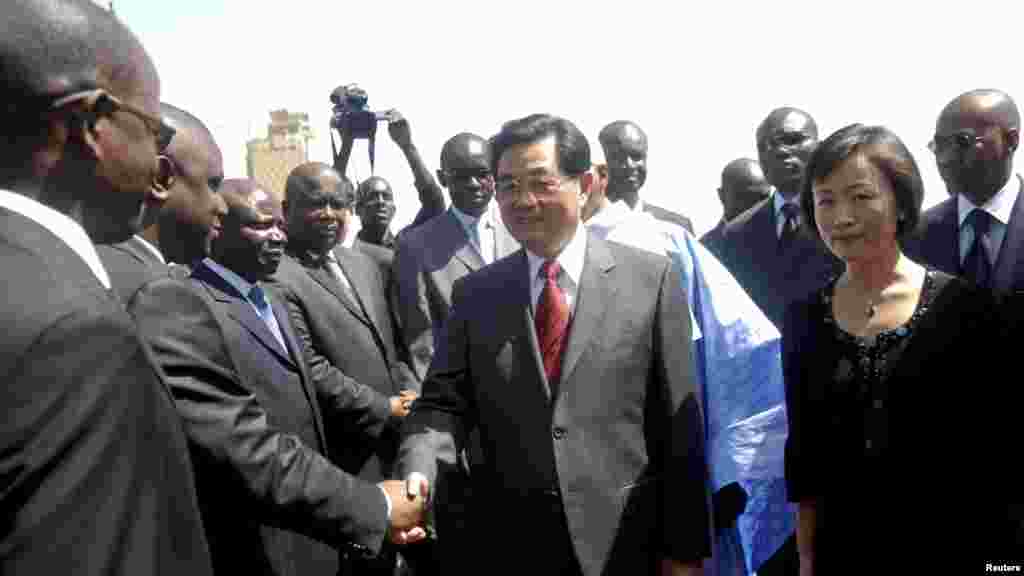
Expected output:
(204, 376)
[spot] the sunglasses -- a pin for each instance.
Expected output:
(100, 99)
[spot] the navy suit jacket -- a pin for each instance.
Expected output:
(771, 275)
(936, 243)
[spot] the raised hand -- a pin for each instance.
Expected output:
(398, 128)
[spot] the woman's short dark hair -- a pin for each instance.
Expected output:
(573, 148)
(886, 152)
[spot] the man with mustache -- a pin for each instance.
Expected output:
(255, 412)
(182, 227)
(978, 232)
(625, 149)
(765, 248)
(96, 478)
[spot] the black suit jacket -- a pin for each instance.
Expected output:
(272, 503)
(771, 275)
(95, 477)
(357, 338)
(936, 243)
(668, 216)
(619, 438)
(130, 265)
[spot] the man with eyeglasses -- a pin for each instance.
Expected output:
(96, 477)
(182, 227)
(765, 248)
(572, 360)
(430, 258)
(978, 232)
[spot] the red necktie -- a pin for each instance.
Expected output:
(551, 321)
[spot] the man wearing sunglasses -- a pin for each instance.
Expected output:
(431, 257)
(978, 232)
(181, 228)
(96, 475)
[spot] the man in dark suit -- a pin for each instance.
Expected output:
(572, 360)
(766, 248)
(96, 477)
(375, 206)
(272, 503)
(625, 150)
(338, 306)
(978, 232)
(433, 256)
(182, 227)
(743, 186)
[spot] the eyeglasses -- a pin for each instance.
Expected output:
(100, 97)
(538, 185)
(963, 141)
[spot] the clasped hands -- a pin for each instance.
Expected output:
(409, 501)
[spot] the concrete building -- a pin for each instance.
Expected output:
(269, 160)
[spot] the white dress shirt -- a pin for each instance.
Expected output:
(1000, 207)
(61, 226)
(570, 259)
(484, 226)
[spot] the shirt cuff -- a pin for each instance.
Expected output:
(387, 499)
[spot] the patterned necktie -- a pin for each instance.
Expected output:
(259, 299)
(790, 223)
(977, 266)
(552, 321)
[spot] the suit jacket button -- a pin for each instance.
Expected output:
(558, 433)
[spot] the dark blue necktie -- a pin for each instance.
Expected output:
(978, 265)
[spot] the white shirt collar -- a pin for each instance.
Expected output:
(570, 259)
(150, 248)
(61, 226)
(241, 284)
(999, 206)
(639, 205)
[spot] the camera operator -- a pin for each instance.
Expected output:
(361, 124)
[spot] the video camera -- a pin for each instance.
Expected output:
(350, 110)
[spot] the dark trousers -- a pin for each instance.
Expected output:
(784, 562)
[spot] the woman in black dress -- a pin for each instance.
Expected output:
(897, 393)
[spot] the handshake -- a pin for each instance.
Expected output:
(409, 502)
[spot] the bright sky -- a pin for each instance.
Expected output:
(698, 77)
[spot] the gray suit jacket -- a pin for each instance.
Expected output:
(429, 259)
(620, 441)
(357, 338)
(130, 266)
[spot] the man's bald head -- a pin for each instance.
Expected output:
(306, 179)
(976, 135)
(625, 150)
(462, 147)
(743, 185)
(786, 116)
(986, 106)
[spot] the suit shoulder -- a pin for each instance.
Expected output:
(934, 214)
(742, 222)
(414, 238)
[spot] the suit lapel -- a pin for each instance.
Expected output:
(942, 244)
(520, 280)
(331, 285)
(1007, 264)
(241, 311)
(595, 295)
(360, 279)
(295, 349)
